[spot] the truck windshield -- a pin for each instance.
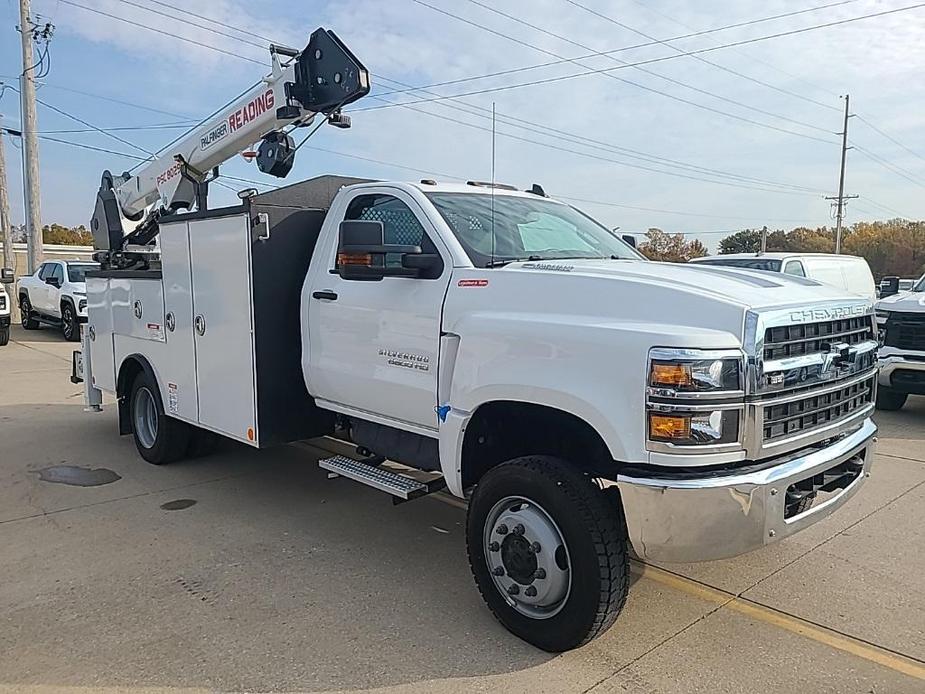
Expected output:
(769, 264)
(920, 285)
(78, 273)
(525, 229)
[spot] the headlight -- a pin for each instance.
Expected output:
(687, 371)
(696, 399)
(82, 305)
(694, 428)
(882, 316)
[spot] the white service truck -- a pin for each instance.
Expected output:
(901, 317)
(503, 346)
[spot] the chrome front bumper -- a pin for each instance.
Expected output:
(685, 518)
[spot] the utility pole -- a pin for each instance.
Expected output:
(841, 197)
(32, 199)
(764, 239)
(6, 224)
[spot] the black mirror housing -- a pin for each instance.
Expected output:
(889, 286)
(6, 275)
(361, 254)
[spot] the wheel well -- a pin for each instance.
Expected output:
(131, 366)
(67, 300)
(502, 430)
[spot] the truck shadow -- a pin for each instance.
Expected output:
(243, 569)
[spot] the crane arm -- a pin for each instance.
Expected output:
(322, 78)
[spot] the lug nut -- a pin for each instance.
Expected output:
(539, 573)
(530, 592)
(513, 590)
(493, 547)
(501, 529)
(518, 529)
(498, 571)
(536, 548)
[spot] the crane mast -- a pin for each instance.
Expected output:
(320, 79)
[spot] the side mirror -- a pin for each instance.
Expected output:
(630, 240)
(361, 253)
(53, 281)
(6, 275)
(889, 286)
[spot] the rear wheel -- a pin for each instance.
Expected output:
(25, 309)
(4, 335)
(548, 550)
(159, 439)
(70, 327)
(888, 399)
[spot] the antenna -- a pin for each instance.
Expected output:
(492, 183)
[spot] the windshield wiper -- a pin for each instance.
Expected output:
(500, 262)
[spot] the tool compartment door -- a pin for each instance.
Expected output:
(222, 325)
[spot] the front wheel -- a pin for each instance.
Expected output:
(25, 311)
(890, 399)
(70, 327)
(159, 439)
(548, 550)
(4, 335)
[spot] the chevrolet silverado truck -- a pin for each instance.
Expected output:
(56, 294)
(6, 277)
(506, 348)
(901, 321)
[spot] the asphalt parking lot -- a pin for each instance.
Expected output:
(251, 571)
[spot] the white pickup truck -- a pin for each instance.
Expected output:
(55, 294)
(901, 318)
(585, 401)
(6, 277)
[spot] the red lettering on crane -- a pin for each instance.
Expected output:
(256, 107)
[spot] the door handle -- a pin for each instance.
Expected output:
(200, 324)
(325, 294)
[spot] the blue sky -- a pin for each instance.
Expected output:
(684, 109)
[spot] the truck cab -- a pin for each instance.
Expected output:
(508, 348)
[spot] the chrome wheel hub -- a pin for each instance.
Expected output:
(527, 557)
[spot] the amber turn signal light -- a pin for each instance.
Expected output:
(354, 259)
(669, 427)
(670, 375)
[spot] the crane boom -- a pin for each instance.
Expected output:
(322, 78)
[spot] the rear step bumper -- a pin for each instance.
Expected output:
(403, 487)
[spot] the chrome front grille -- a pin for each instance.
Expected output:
(811, 374)
(815, 409)
(797, 339)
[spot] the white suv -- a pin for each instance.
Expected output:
(56, 294)
(6, 276)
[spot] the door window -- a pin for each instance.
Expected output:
(794, 267)
(45, 271)
(58, 273)
(399, 223)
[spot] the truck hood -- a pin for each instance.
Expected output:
(914, 302)
(740, 287)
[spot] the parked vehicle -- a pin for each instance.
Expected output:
(56, 294)
(6, 277)
(847, 272)
(901, 321)
(891, 284)
(420, 339)
(492, 342)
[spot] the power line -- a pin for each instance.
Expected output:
(889, 166)
(743, 42)
(160, 31)
(705, 60)
(623, 151)
(888, 136)
(622, 64)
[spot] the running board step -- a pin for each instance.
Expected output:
(402, 487)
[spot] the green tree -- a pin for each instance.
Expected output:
(68, 236)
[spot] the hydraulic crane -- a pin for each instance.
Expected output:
(321, 79)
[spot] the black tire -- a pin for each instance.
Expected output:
(25, 309)
(170, 437)
(4, 336)
(593, 528)
(890, 400)
(70, 326)
(201, 443)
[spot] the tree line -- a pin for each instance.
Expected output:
(891, 247)
(56, 234)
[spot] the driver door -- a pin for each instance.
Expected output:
(374, 344)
